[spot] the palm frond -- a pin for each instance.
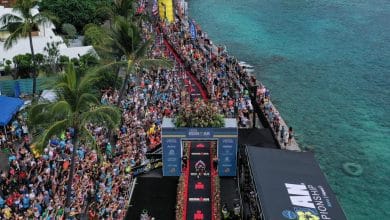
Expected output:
(154, 63)
(107, 115)
(55, 129)
(35, 111)
(142, 49)
(19, 32)
(40, 18)
(7, 19)
(70, 77)
(87, 99)
(61, 108)
(110, 65)
(49, 17)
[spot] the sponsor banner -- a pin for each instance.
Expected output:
(227, 148)
(308, 202)
(153, 164)
(171, 156)
(227, 156)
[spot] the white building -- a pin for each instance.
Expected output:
(40, 39)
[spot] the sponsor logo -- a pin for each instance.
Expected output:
(170, 140)
(309, 202)
(227, 141)
(172, 170)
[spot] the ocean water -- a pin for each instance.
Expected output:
(327, 63)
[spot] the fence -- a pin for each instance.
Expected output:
(8, 87)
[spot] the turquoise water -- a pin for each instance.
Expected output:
(327, 64)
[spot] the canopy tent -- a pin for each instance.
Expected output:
(48, 95)
(291, 185)
(9, 107)
(256, 137)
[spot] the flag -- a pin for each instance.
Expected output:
(166, 10)
(155, 8)
(141, 8)
(192, 30)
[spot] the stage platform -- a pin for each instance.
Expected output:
(155, 193)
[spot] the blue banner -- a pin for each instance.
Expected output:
(226, 143)
(227, 156)
(171, 156)
(192, 30)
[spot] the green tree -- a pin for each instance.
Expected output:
(69, 30)
(53, 53)
(39, 60)
(21, 25)
(63, 61)
(23, 65)
(130, 50)
(76, 12)
(95, 35)
(123, 8)
(8, 69)
(77, 106)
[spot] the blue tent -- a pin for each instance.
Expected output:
(8, 108)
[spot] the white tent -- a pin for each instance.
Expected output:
(48, 95)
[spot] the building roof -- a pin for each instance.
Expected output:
(46, 35)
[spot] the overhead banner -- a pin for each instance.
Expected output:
(226, 138)
(166, 10)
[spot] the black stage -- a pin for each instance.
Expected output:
(156, 194)
(257, 137)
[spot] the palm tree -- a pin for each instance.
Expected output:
(76, 107)
(123, 9)
(126, 43)
(21, 24)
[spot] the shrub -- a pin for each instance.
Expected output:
(69, 30)
(199, 114)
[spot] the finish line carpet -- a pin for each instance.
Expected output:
(199, 189)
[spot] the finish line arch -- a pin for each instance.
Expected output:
(172, 145)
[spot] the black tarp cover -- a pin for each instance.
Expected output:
(291, 185)
(256, 137)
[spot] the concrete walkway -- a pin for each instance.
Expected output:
(294, 145)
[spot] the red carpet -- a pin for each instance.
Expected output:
(199, 189)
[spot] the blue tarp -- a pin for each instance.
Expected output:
(8, 108)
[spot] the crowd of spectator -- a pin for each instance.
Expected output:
(222, 76)
(227, 81)
(35, 185)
